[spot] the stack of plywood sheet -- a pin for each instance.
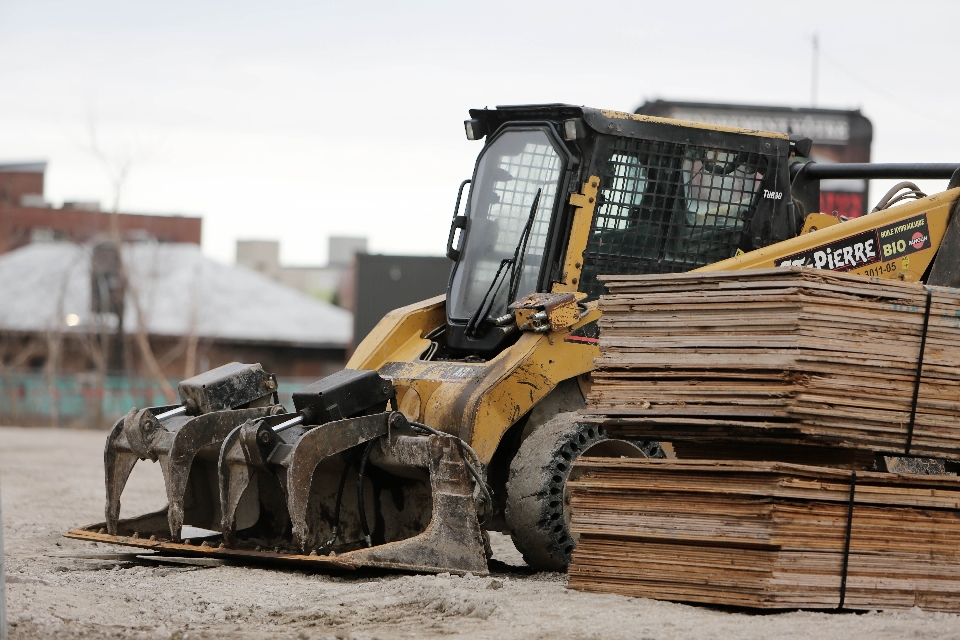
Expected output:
(786, 356)
(766, 535)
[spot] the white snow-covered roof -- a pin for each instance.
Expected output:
(177, 288)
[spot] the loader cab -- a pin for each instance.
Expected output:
(673, 196)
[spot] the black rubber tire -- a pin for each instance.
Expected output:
(536, 509)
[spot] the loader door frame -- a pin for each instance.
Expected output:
(493, 342)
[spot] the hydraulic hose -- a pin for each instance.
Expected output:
(464, 447)
(890, 198)
(336, 511)
(363, 511)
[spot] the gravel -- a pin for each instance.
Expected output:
(57, 588)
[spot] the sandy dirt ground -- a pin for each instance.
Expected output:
(52, 480)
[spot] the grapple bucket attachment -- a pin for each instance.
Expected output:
(452, 540)
(256, 461)
(363, 490)
(342, 482)
(418, 501)
(186, 440)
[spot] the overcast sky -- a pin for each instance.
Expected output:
(299, 120)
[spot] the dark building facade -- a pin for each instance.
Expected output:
(838, 136)
(384, 283)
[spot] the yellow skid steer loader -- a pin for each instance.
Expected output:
(458, 415)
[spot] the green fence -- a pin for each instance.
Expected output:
(86, 400)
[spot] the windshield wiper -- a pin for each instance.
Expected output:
(516, 269)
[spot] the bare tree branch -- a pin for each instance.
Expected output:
(190, 362)
(118, 168)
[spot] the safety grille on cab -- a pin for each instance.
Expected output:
(668, 207)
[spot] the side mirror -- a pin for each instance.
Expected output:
(801, 145)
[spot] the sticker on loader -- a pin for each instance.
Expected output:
(845, 254)
(868, 247)
(901, 238)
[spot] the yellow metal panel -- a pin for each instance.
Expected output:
(506, 402)
(543, 363)
(397, 328)
(441, 386)
(931, 213)
(817, 221)
(480, 401)
(585, 203)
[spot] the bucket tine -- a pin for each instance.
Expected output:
(118, 471)
(129, 440)
(317, 445)
(118, 462)
(453, 540)
(238, 465)
(178, 455)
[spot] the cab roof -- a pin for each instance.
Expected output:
(601, 120)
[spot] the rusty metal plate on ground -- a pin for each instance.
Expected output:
(91, 533)
(349, 561)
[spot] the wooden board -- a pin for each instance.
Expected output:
(780, 355)
(765, 535)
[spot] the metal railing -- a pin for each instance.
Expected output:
(87, 400)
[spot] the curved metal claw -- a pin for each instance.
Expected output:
(239, 461)
(126, 444)
(453, 540)
(118, 462)
(305, 456)
(291, 457)
(178, 454)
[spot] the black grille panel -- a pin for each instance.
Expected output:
(668, 207)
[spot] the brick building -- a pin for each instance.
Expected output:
(25, 215)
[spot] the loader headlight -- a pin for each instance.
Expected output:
(475, 129)
(572, 129)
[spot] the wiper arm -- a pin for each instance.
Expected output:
(516, 266)
(483, 309)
